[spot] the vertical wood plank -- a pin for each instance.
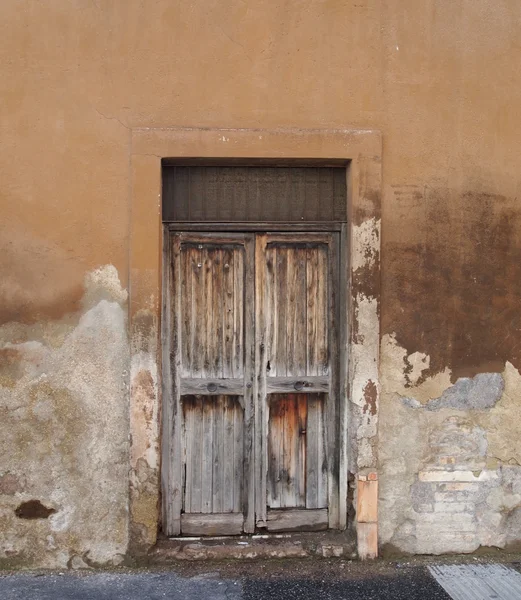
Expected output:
(197, 308)
(196, 462)
(290, 300)
(228, 339)
(331, 424)
(247, 417)
(189, 412)
(207, 454)
(280, 358)
(324, 323)
(217, 312)
(316, 468)
(300, 308)
(207, 314)
(271, 309)
(302, 413)
(275, 453)
(287, 451)
(312, 310)
(170, 438)
(238, 458)
(238, 330)
(261, 410)
(343, 357)
(218, 458)
(229, 464)
(186, 316)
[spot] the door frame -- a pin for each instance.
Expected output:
(361, 152)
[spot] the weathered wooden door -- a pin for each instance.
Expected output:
(210, 459)
(296, 361)
(252, 427)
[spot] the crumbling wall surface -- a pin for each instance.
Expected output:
(450, 472)
(439, 80)
(64, 433)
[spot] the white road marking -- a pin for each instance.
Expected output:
(478, 582)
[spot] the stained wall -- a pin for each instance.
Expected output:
(440, 81)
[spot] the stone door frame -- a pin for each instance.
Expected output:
(362, 152)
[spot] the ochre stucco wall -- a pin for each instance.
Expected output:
(439, 79)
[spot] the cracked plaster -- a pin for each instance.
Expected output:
(450, 477)
(64, 435)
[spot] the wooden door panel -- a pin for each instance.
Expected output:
(296, 297)
(297, 371)
(212, 291)
(287, 450)
(213, 443)
(210, 461)
(297, 469)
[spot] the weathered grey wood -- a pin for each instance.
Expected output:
(291, 385)
(292, 300)
(170, 473)
(217, 310)
(209, 386)
(287, 451)
(269, 295)
(238, 315)
(297, 239)
(194, 469)
(207, 458)
(323, 315)
(331, 413)
(261, 407)
(297, 520)
(177, 413)
(279, 353)
(228, 437)
(296, 299)
(311, 311)
(229, 335)
(212, 524)
(316, 475)
(218, 456)
(198, 308)
(217, 407)
(297, 324)
(213, 445)
(211, 236)
(238, 462)
(247, 498)
(188, 460)
(343, 367)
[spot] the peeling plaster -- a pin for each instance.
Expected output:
(64, 433)
(365, 345)
(477, 393)
(367, 244)
(450, 479)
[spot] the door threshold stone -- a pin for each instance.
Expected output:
(262, 546)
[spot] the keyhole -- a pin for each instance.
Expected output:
(268, 367)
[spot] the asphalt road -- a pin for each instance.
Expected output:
(305, 581)
(414, 585)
